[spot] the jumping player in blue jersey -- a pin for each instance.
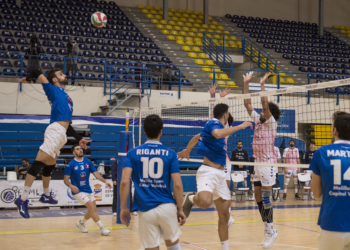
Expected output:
(55, 135)
(78, 172)
(211, 177)
(152, 166)
(331, 179)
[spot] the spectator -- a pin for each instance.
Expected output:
(168, 76)
(241, 155)
(22, 171)
(114, 171)
(72, 61)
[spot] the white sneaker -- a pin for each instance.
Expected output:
(134, 213)
(82, 227)
(246, 197)
(105, 231)
(270, 239)
(312, 197)
(233, 197)
(230, 222)
(265, 237)
(252, 198)
(114, 214)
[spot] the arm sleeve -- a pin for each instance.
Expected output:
(49, 90)
(128, 162)
(72, 132)
(92, 167)
(174, 168)
(255, 116)
(215, 126)
(232, 156)
(68, 170)
(314, 164)
(272, 123)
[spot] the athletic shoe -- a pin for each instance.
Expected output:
(22, 207)
(270, 239)
(297, 196)
(114, 214)
(187, 204)
(246, 197)
(82, 227)
(230, 222)
(233, 198)
(252, 198)
(265, 237)
(284, 196)
(134, 213)
(312, 197)
(105, 231)
(48, 199)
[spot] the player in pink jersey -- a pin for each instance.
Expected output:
(263, 148)
(291, 156)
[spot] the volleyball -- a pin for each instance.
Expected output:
(98, 19)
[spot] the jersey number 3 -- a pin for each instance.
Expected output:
(149, 169)
(337, 172)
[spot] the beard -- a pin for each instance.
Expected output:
(292, 146)
(239, 147)
(81, 155)
(262, 119)
(64, 82)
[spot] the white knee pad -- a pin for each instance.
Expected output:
(287, 181)
(295, 180)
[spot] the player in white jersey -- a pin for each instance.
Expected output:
(291, 156)
(263, 147)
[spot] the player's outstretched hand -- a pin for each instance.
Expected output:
(83, 143)
(247, 124)
(263, 80)
(124, 213)
(212, 90)
(108, 184)
(181, 217)
(74, 189)
(224, 93)
(248, 77)
(23, 80)
(183, 154)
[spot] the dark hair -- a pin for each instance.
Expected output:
(74, 146)
(230, 120)
(25, 159)
(239, 142)
(292, 141)
(341, 121)
(51, 74)
(275, 110)
(152, 126)
(312, 142)
(219, 110)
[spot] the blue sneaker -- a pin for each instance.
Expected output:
(22, 207)
(48, 199)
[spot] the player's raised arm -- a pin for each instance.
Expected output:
(35, 73)
(186, 152)
(247, 102)
(264, 101)
(212, 91)
(222, 133)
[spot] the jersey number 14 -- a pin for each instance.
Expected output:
(149, 168)
(337, 172)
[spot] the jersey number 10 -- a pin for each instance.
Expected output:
(337, 172)
(149, 169)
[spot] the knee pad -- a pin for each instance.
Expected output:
(36, 167)
(295, 181)
(48, 170)
(265, 196)
(287, 181)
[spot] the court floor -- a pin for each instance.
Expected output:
(295, 221)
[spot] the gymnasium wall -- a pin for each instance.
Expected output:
(335, 11)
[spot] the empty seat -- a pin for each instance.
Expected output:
(5, 63)
(12, 48)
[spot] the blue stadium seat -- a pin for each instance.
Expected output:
(122, 56)
(90, 76)
(55, 38)
(116, 49)
(81, 60)
(101, 41)
(87, 54)
(10, 40)
(17, 64)
(19, 34)
(138, 51)
(144, 58)
(94, 47)
(122, 44)
(97, 69)
(22, 41)
(166, 60)
(160, 53)
(85, 34)
(15, 56)
(105, 48)
(144, 45)
(83, 46)
(7, 33)
(155, 59)
(111, 56)
(55, 58)
(62, 52)
(46, 65)
(154, 46)
(12, 48)
(23, 48)
(111, 43)
(99, 55)
(5, 63)
(302, 69)
(4, 55)
(51, 51)
(85, 68)
(133, 58)
(127, 50)
(149, 52)
(47, 44)
(8, 71)
(90, 41)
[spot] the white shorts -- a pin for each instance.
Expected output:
(157, 224)
(84, 197)
(214, 181)
(228, 169)
(266, 175)
(54, 139)
(333, 240)
(244, 173)
(254, 179)
(292, 171)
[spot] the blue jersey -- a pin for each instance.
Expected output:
(62, 104)
(152, 165)
(210, 147)
(332, 163)
(79, 172)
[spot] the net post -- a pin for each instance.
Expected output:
(140, 124)
(337, 93)
(179, 83)
(278, 87)
(105, 77)
(308, 93)
(20, 73)
(125, 144)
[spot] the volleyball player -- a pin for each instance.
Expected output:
(211, 177)
(330, 179)
(263, 148)
(55, 135)
(152, 167)
(78, 172)
(307, 160)
(291, 156)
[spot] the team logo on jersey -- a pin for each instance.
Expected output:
(98, 192)
(82, 175)
(69, 99)
(76, 168)
(87, 165)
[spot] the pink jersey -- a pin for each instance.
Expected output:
(291, 155)
(264, 138)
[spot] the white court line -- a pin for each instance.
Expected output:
(252, 243)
